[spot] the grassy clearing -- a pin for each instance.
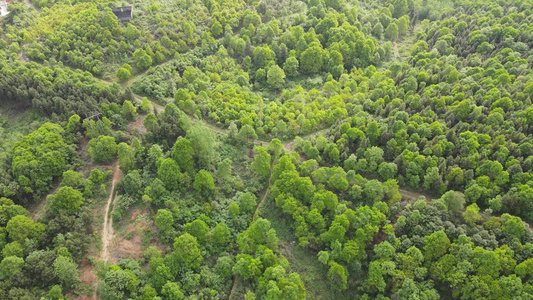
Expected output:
(302, 260)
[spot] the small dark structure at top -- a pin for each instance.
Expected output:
(123, 13)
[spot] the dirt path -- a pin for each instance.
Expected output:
(107, 229)
(266, 192)
(396, 53)
(409, 195)
(233, 288)
(28, 3)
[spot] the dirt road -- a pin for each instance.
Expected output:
(107, 229)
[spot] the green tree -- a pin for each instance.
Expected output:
(13, 249)
(125, 157)
(258, 235)
(400, 8)
(67, 199)
(146, 105)
(436, 245)
(169, 173)
(512, 226)
(248, 202)
(164, 222)
(403, 25)
(72, 178)
(183, 154)
(132, 33)
(216, 29)
(132, 183)
(203, 142)
(387, 170)
(391, 32)
(197, 228)
(204, 183)
(454, 201)
(377, 30)
(291, 66)
(221, 234)
(9, 266)
(311, 60)
(247, 132)
(102, 149)
(247, 267)
(261, 163)
(129, 111)
(337, 276)
(186, 253)
(171, 291)
(275, 77)
(142, 58)
(67, 271)
(471, 214)
(375, 276)
(123, 74)
(55, 293)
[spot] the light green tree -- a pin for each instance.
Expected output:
(275, 77)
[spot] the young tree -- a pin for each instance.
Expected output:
(203, 142)
(311, 60)
(183, 154)
(337, 276)
(164, 221)
(129, 111)
(102, 149)
(186, 254)
(67, 271)
(221, 234)
(123, 74)
(261, 163)
(67, 199)
(72, 178)
(197, 228)
(436, 245)
(204, 183)
(275, 77)
(291, 66)
(391, 32)
(224, 169)
(125, 157)
(171, 291)
(169, 173)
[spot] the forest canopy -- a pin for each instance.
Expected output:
(316, 149)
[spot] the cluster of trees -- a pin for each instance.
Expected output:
(40, 259)
(53, 90)
(217, 84)
(37, 159)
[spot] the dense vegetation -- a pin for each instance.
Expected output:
(136, 163)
